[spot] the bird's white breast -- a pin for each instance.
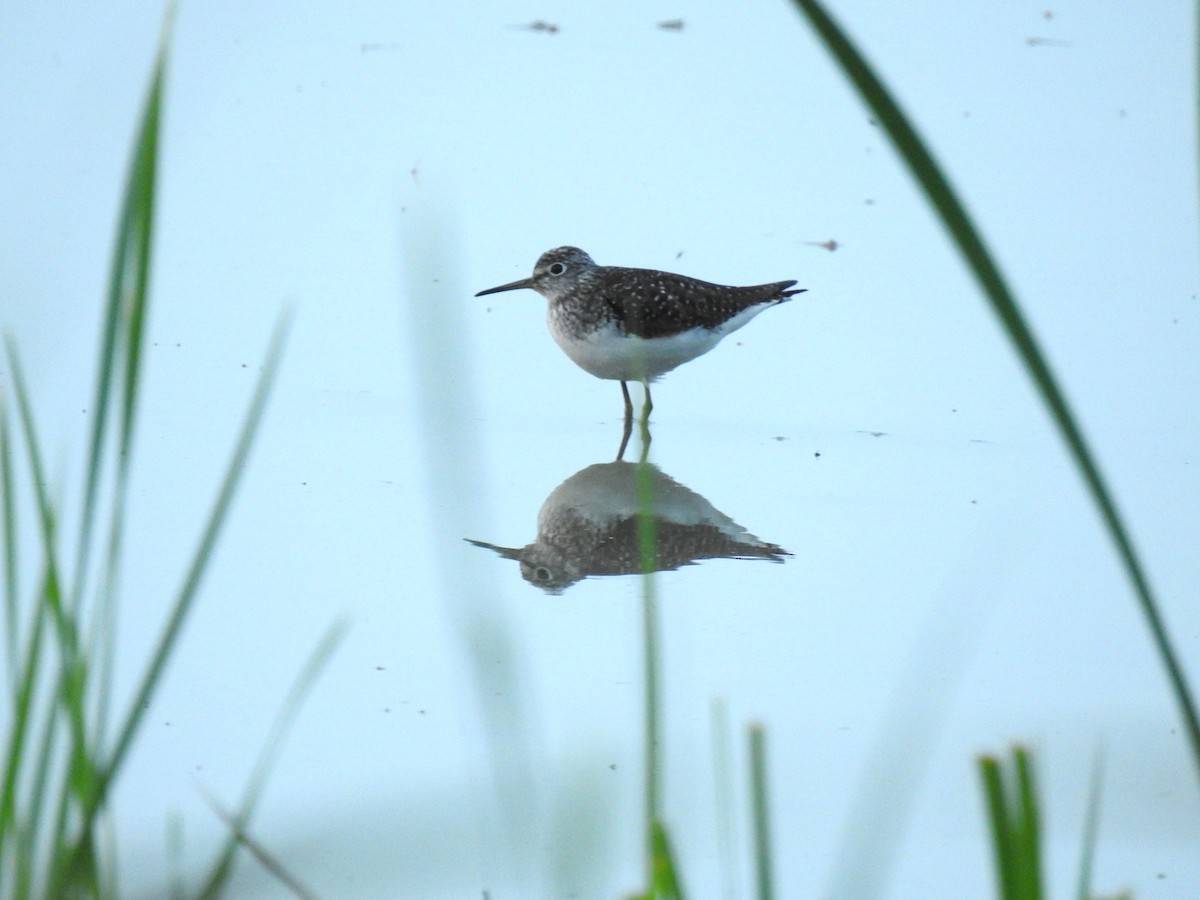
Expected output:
(610, 353)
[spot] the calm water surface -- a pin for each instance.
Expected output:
(946, 591)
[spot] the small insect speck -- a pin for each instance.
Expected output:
(671, 25)
(539, 25)
(829, 245)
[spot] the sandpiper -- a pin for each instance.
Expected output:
(637, 324)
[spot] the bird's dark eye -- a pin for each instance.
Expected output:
(541, 573)
(557, 269)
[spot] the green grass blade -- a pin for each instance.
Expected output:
(223, 866)
(118, 376)
(665, 881)
(8, 535)
(125, 309)
(184, 598)
(998, 817)
(46, 783)
(1028, 826)
(72, 677)
(944, 200)
(34, 457)
(267, 860)
(79, 782)
(764, 878)
(130, 288)
(17, 833)
(1015, 821)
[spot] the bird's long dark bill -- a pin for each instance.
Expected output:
(511, 286)
(506, 552)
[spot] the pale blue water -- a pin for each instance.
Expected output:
(950, 591)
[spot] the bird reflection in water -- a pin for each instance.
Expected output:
(588, 526)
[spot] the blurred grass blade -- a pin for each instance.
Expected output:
(18, 834)
(997, 809)
(764, 878)
(65, 703)
(56, 771)
(80, 780)
(221, 869)
(1013, 814)
(1029, 824)
(8, 535)
(1091, 828)
(939, 193)
(125, 310)
(184, 598)
(723, 791)
(666, 884)
(663, 878)
(118, 376)
(260, 853)
(647, 541)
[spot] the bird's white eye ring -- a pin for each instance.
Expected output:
(557, 269)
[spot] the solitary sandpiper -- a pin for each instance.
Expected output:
(637, 324)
